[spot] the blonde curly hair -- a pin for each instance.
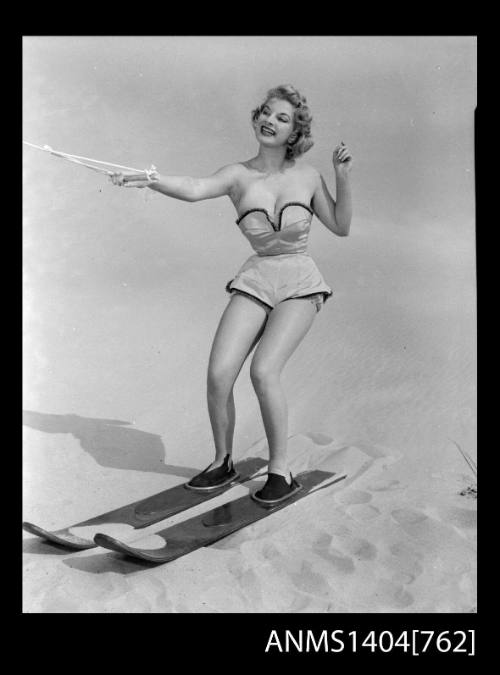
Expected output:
(302, 118)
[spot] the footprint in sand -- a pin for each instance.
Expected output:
(322, 547)
(309, 581)
(305, 579)
(418, 525)
(401, 578)
(406, 550)
(271, 552)
(353, 497)
(363, 512)
(464, 519)
(385, 485)
(392, 595)
(247, 580)
(404, 562)
(341, 531)
(360, 549)
(432, 534)
(405, 569)
(408, 516)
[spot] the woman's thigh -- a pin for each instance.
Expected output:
(239, 330)
(286, 327)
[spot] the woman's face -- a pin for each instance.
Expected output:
(275, 124)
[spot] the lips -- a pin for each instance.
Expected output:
(267, 131)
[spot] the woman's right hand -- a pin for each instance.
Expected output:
(116, 178)
(129, 180)
(139, 180)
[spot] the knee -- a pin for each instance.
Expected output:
(263, 375)
(220, 380)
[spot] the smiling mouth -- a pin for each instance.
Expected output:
(267, 131)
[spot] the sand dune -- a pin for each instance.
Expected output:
(382, 389)
(123, 291)
(370, 543)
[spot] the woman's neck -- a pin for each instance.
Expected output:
(270, 160)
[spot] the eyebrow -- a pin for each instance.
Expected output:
(280, 113)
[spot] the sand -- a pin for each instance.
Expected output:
(123, 290)
(374, 542)
(381, 389)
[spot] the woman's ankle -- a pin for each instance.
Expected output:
(219, 461)
(280, 471)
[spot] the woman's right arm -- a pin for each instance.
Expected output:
(191, 189)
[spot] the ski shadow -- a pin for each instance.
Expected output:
(41, 547)
(112, 443)
(98, 563)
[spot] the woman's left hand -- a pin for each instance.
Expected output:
(342, 159)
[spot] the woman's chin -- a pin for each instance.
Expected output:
(268, 141)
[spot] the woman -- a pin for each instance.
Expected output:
(277, 293)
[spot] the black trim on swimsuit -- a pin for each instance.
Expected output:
(325, 294)
(254, 297)
(308, 208)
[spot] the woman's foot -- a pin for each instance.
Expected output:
(212, 478)
(276, 489)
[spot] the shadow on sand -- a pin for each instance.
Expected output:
(112, 443)
(98, 563)
(41, 547)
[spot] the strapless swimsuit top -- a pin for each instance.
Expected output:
(268, 238)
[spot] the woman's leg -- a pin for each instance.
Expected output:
(287, 325)
(239, 330)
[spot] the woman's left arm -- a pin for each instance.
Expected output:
(335, 215)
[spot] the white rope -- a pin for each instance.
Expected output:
(76, 158)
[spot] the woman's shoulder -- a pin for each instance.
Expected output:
(233, 168)
(236, 171)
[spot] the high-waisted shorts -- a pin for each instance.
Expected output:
(270, 280)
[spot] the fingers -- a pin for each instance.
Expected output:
(133, 180)
(136, 184)
(341, 153)
(116, 178)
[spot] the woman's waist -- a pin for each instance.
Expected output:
(265, 244)
(289, 260)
